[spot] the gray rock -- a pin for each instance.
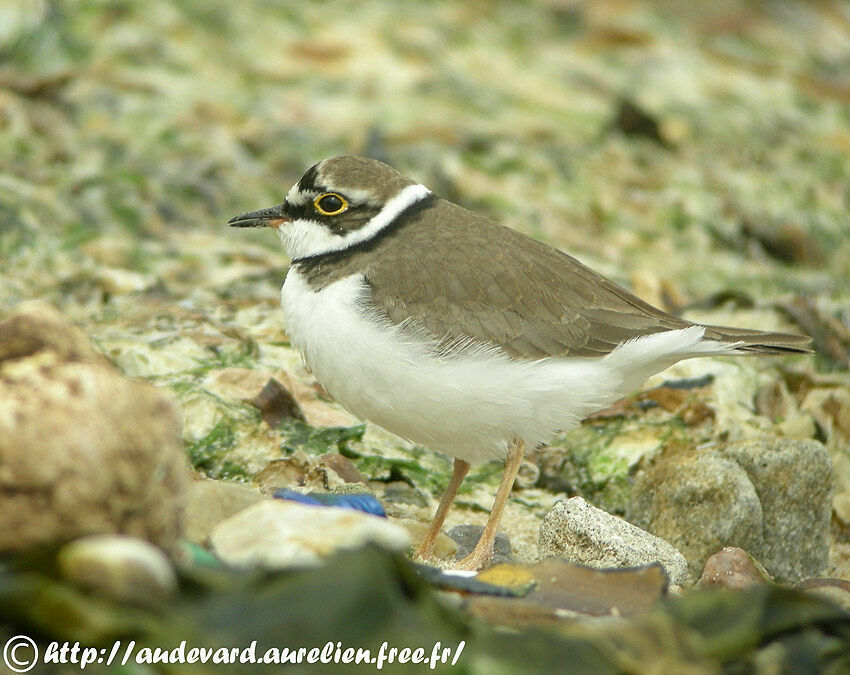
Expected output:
(769, 496)
(83, 450)
(279, 534)
(122, 568)
(582, 533)
(794, 480)
(699, 501)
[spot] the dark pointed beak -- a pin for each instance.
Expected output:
(272, 217)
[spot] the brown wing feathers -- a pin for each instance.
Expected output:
(461, 276)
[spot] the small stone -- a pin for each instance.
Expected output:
(278, 534)
(467, 536)
(527, 475)
(789, 241)
(799, 426)
(343, 467)
(582, 533)
(353, 489)
(210, 502)
(276, 404)
(733, 568)
(122, 568)
(775, 402)
(444, 545)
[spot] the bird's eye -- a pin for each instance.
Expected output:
(330, 204)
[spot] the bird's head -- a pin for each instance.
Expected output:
(338, 203)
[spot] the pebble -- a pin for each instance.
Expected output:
(732, 568)
(278, 534)
(122, 568)
(582, 533)
(298, 469)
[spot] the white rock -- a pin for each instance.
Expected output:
(584, 534)
(278, 534)
(120, 567)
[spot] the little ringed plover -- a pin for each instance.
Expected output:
(460, 334)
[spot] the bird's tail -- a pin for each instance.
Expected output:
(755, 342)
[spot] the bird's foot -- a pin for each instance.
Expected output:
(424, 552)
(477, 560)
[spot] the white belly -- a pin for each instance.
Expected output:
(470, 405)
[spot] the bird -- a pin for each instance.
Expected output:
(460, 334)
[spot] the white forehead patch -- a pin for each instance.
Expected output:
(295, 197)
(304, 238)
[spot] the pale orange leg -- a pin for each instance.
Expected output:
(483, 551)
(459, 470)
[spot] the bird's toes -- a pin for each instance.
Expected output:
(477, 560)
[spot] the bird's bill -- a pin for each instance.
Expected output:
(271, 217)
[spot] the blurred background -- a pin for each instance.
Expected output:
(683, 148)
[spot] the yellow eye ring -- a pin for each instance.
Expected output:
(330, 204)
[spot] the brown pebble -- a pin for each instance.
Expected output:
(732, 568)
(276, 404)
(343, 467)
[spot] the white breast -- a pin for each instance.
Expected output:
(471, 404)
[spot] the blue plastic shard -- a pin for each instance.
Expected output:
(365, 503)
